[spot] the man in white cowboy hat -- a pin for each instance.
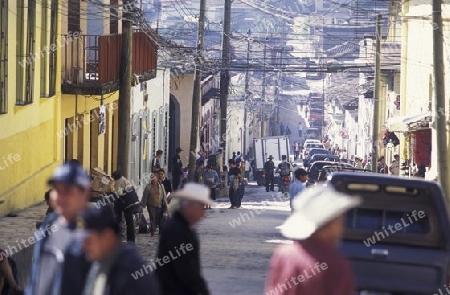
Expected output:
(179, 243)
(312, 264)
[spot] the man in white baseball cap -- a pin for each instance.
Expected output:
(312, 264)
(183, 274)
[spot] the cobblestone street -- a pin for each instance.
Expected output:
(236, 245)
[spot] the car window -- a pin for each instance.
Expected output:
(383, 219)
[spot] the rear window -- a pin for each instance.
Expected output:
(395, 222)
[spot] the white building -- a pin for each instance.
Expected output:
(149, 124)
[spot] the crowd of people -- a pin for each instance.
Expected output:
(86, 255)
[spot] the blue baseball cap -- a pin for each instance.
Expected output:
(97, 219)
(71, 173)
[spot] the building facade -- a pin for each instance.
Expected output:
(30, 105)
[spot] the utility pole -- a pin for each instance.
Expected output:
(196, 99)
(225, 76)
(439, 99)
(123, 150)
(376, 101)
(263, 95)
(246, 92)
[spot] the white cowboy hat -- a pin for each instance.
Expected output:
(313, 209)
(194, 192)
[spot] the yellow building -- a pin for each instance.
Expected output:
(90, 81)
(58, 97)
(29, 100)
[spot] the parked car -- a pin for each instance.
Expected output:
(317, 151)
(311, 141)
(327, 171)
(324, 157)
(398, 240)
(316, 167)
(307, 147)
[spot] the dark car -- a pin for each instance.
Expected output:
(324, 157)
(327, 171)
(398, 239)
(316, 167)
(314, 151)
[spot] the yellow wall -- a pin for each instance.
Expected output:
(27, 133)
(81, 138)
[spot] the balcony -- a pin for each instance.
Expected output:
(91, 63)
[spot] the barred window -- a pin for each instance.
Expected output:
(3, 56)
(52, 51)
(26, 18)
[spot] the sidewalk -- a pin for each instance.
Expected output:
(16, 232)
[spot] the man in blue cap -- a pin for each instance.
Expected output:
(117, 268)
(59, 265)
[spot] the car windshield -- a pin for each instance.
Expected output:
(314, 146)
(319, 151)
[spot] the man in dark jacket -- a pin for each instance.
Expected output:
(165, 181)
(117, 268)
(156, 162)
(59, 265)
(182, 274)
(126, 203)
(269, 167)
(177, 169)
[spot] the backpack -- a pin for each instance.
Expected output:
(284, 167)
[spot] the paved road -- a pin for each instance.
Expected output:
(236, 244)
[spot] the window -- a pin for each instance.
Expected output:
(44, 45)
(52, 51)
(379, 219)
(114, 18)
(3, 56)
(29, 82)
(26, 18)
(74, 17)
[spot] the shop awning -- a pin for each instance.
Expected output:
(401, 123)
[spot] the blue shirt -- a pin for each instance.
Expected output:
(295, 188)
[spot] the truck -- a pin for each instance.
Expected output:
(264, 147)
(398, 239)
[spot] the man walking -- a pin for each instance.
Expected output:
(382, 167)
(394, 168)
(59, 265)
(316, 237)
(296, 150)
(234, 175)
(177, 169)
(153, 198)
(269, 168)
(115, 264)
(299, 184)
(156, 162)
(182, 276)
(126, 203)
